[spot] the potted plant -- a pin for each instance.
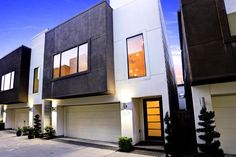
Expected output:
(125, 144)
(18, 131)
(25, 130)
(31, 133)
(49, 132)
(2, 125)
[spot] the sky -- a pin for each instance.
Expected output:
(21, 20)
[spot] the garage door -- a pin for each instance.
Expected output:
(94, 122)
(21, 117)
(225, 110)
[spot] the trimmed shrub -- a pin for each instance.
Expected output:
(49, 133)
(37, 126)
(208, 134)
(125, 144)
(25, 130)
(31, 133)
(18, 131)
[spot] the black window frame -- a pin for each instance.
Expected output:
(10, 84)
(77, 73)
(127, 52)
(37, 68)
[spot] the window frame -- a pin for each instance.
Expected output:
(11, 87)
(77, 73)
(127, 53)
(38, 68)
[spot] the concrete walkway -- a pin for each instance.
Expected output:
(12, 146)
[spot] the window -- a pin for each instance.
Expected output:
(230, 6)
(83, 57)
(36, 81)
(7, 82)
(56, 66)
(71, 61)
(136, 57)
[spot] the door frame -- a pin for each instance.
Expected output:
(147, 138)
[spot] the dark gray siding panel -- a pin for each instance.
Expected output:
(210, 57)
(18, 61)
(95, 27)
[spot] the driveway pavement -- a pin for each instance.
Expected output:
(12, 146)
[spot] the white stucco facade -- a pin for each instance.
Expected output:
(129, 19)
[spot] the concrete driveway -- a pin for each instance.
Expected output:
(12, 146)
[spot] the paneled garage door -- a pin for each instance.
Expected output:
(94, 122)
(21, 117)
(225, 110)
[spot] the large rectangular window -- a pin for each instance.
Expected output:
(136, 57)
(71, 61)
(36, 81)
(230, 6)
(83, 58)
(56, 65)
(7, 82)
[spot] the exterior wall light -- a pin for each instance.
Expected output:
(54, 108)
(30, 109)
(124, 105)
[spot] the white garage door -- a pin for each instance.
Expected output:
(225, 110)
(94, 122)
(21, 117)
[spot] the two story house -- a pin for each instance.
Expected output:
(105, 73)
(208, 36)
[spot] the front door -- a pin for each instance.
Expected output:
(153, 120)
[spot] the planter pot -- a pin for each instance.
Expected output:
(2, 126)
(18, 133)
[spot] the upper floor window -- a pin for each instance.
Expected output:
(36, 80)
(7, 82)
(71, 61)
(136, 57)
(230, 6)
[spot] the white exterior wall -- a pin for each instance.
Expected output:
(132, 17)
(37, 58)
(209, 91)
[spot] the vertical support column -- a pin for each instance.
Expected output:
(58, 118)
(42, 118)
(31, 116)
(127, 119)
(4, 114)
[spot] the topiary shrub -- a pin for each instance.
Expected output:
(18, 131)
(125, 144)
(31, 133)
(49, 133)
(25, 130)
(169, 144)
(37, 126)
(210, 146)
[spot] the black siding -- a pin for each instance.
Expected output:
(96, 27)
(18, 61)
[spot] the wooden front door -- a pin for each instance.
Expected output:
(153, 120)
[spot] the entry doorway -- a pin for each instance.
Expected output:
(153, 123)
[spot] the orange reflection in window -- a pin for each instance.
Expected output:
(136, 57)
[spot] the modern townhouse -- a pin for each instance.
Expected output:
(209, 48)
(102, 74)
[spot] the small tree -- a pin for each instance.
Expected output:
(208, 135)
(169, 145)
(37, 126)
